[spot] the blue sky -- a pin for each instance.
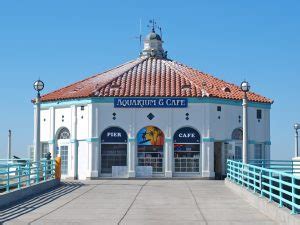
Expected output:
(65, 41)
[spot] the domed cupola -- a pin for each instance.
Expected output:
(153, 45)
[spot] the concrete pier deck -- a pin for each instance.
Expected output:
(136, 202)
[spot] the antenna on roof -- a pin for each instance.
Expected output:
(140, 35)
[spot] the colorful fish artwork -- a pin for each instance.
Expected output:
(150, 136)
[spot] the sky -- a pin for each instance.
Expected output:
(64, 41)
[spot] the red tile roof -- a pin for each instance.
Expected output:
(152, 77)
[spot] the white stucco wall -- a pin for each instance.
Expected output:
(93, 118)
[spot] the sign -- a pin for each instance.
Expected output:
(114, 135)
(150, 102)
(186, 135)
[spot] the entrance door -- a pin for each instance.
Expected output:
(187, 151)
(218, 160)
(113, 150)
(150, 151)
(113, 155)
(64, 154)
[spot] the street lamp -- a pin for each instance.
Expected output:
(245, 87)
(296, 127)
(38, 86)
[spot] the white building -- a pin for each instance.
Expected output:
(151, 117)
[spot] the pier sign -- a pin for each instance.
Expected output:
(150, 102)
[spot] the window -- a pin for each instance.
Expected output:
(64, 154)
(219, 108)
(237, 134)
(259, 114)
(82, 108)
(238, 153)
(64, 133)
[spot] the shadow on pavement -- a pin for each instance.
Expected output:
(36, 201)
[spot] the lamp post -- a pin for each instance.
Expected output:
(296, 127)
(245, 87)
(9, 145)
(38, 86)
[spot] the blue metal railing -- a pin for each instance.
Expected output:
(277, 186)
(15, 175)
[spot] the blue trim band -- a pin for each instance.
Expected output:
(93, 139)
(168, 139)
(131, 139)
(74, 141)
(85, 101)
(51, 141)
(251, 142)
(208, 139)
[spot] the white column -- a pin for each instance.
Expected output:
(93, 142)
(74, 142)
(131, 148)
(245, 129)
(131, 156)
(37, 133)
(52, 133)
(208, 159)
(168, 157)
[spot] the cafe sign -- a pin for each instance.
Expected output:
(150, 102)
(186, 135)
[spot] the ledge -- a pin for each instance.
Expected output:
(9, 198)
(270, 209)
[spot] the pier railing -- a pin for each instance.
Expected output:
(15, 174)
(278, 186)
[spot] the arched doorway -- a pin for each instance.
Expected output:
(63, 143)
(150, 148)
(113, 149)
(187, 150)
(237, 138)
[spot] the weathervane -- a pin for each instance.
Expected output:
(153, 25)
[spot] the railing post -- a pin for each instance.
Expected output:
(260, 183)
(270, 184)
(293, 196)
(45, 170)
(19, 176)
(280, 191)
(37, 167)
